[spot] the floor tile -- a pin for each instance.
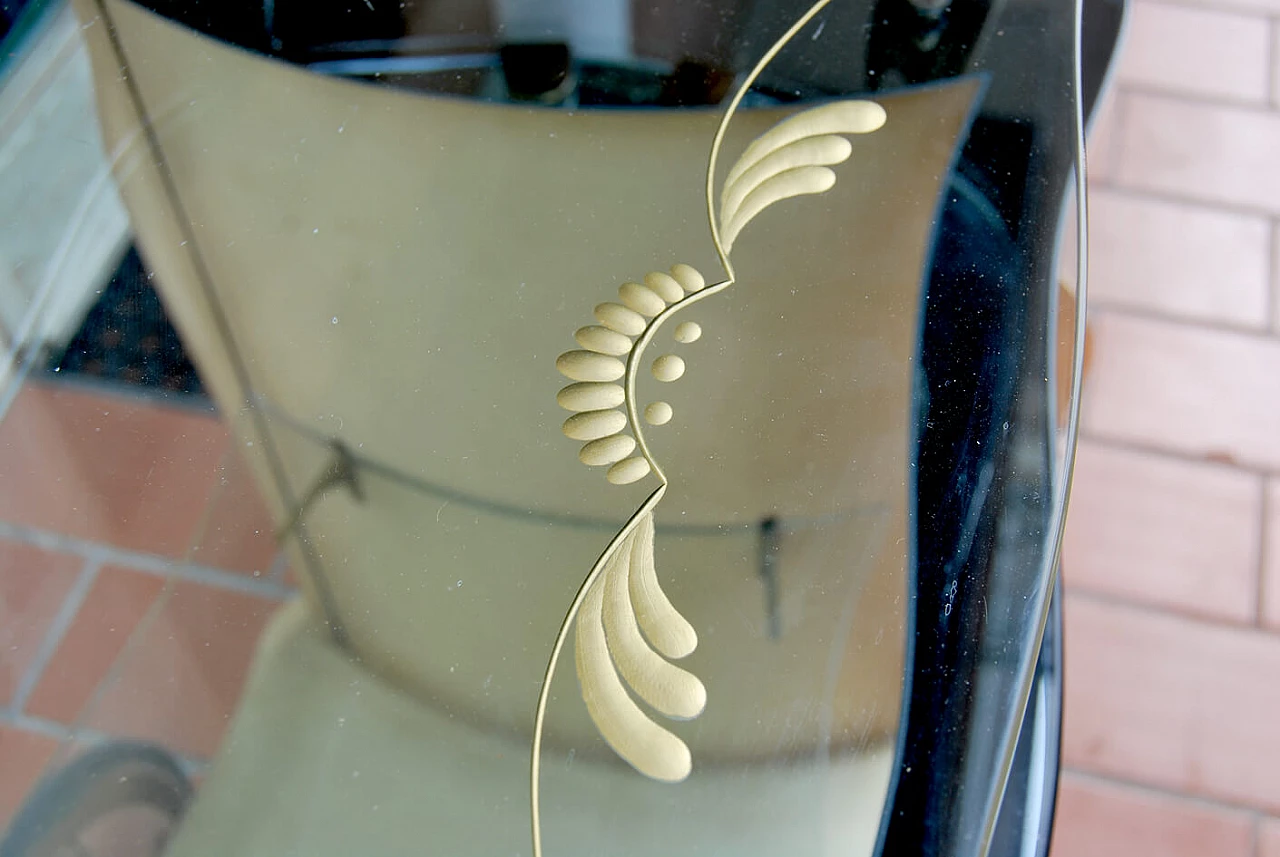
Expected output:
(116, 602)
(1178, 260)
(1177, 387)
(23, 756)
(1275, 62)
(1261, 6)
(33, 585)
(1101, 819)
(1165, 532)
(1196, 51)
(1275, 269)
(1174, 703)
(237, 533)
(1269, 837)
(1206, 152)
(1104, 137)
(180, 684)
(1271, 559)
(107, 468)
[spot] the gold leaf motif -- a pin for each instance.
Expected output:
(610, 651)
(627, 630)
(793, 158)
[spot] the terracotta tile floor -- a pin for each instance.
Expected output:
(1172, 562)
(137, 570)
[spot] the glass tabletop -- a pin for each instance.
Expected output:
(645, 426)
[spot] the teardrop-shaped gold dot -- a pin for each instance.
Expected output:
(627, 471)
(617, 317)
(590, 425)
(641, 299)
(606, 450)
(688, 277)
(668, 367)
(589, 366)
(658, 413)
(664, 286)
(590, 396)
(602, 340)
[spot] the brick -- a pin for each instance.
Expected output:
(1269, 837)
(180, 685)
(1171, 702)
(1264, 7)
(1210, 153)
(34, 584)
(1165, 532)
(1275, 276)
(237, 532)
(23, 755)
(1096, 818)
(1203, 393)
(1103, 138)
(107, 468)
(1275, 63)
(1271, 558)
(112, 609)
(1196, 51)
(1178, 260)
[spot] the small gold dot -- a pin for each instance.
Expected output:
(688, 331)
(658, 413)
(668, 367)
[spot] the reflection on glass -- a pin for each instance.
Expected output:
(377, 240)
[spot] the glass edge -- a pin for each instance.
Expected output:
(1062, 493)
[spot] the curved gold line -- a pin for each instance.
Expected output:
(633, 734)
(820, 150)
(633, 367)
(672, 691)
(540, 715)
(660, 622)
(800, 181)
(544, 694)
(729, 112)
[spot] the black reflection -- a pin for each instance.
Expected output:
(127, 338)
(986, 303)
(971, 359)
(919, 41)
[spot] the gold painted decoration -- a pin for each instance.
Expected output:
(627, 632)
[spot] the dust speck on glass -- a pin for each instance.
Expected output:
(783, 274)
(622, 596)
